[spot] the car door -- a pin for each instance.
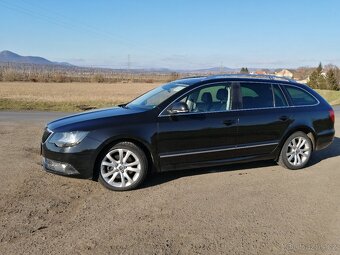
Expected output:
(203, 136)
(263, 118)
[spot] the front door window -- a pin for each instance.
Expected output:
(213, 98)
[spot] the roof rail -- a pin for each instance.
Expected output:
(253, 76)
(193, 77)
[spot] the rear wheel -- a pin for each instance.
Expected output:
(296, 151)
(123, 167)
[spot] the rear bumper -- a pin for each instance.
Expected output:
(324, 139)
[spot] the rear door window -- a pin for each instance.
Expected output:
(300, 96)
(257, 95)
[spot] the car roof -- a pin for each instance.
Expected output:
(197, 80)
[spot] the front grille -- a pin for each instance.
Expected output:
(46, 134)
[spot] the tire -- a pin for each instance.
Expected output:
(123, 167)
(296, 151)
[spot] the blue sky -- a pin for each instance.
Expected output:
(174, 34)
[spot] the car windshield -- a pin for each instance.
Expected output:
(156, 96)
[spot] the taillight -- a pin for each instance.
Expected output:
(331, 115)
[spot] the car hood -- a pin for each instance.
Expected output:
(90, 119)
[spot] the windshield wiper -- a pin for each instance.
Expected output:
(123, 106)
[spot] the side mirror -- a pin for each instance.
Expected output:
(178, 107)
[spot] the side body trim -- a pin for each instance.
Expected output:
(216, 150)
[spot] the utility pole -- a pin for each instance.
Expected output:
(129, 62)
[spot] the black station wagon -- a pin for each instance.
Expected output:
(191, 123)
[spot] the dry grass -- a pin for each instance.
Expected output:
(59, 92)
(82, 96)
(68, 96)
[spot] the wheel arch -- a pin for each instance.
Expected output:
(305, 129)
(110, 143)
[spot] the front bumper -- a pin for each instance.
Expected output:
(78, 161)
(58, 167)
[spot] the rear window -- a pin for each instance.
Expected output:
(256, 95)
(300, 96)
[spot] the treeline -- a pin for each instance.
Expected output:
(48, 74)
(325, 78)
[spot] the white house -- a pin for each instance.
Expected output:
(284, 73)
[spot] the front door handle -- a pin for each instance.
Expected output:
(229, 122)
(284, 118)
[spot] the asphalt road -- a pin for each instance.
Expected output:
(254, 208)
(35, 116)
(30, 116)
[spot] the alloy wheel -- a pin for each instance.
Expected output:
(120, 168)
(298, 151)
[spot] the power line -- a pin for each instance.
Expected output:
(69, 23)
(129, 63)
(63, 21)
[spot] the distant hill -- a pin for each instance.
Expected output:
(25, 61)
(216, 69)
(221, 69)
(11, 57)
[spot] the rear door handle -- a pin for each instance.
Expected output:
(284, 118)
(229, 122)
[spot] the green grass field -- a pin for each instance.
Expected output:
(333, 97)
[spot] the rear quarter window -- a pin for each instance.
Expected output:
(300, 96)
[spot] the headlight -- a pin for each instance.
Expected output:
(67, 139)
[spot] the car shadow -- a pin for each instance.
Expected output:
(160, 178)
(156, 179)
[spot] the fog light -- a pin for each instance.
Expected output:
(57, 166)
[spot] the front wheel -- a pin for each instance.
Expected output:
(123, 167)
(296, 151)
